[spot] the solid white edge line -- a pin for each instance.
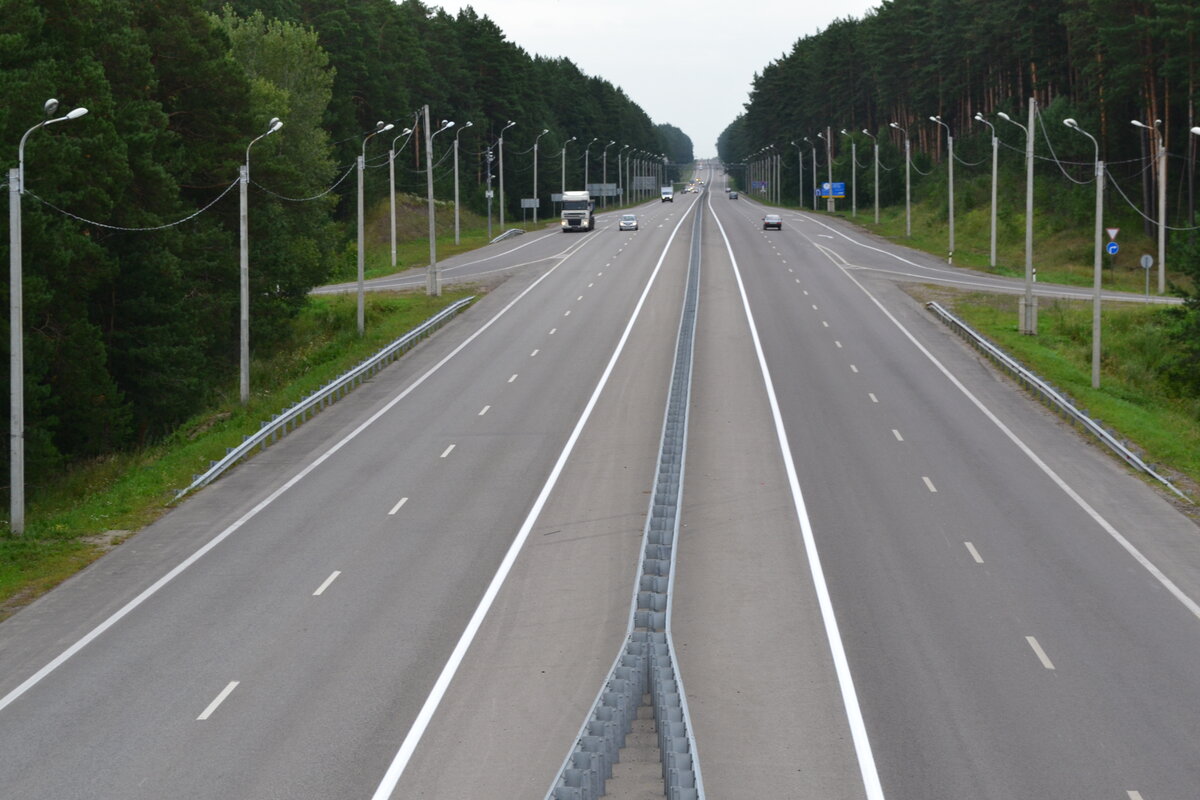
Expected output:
(149, 591)
(854, 717)
(398, 506)
(321, 589)
(208, 712)
(1039, 652)
(396, 769)
(1188, 603)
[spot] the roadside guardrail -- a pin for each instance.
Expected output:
(1048, 395)
(289, 418)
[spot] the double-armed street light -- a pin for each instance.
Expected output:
(1160, 155)
(1096, 265)
(950, 163)
(535, 180)
(456, 208)
(501, 143)
(995, 155)
(380, 127)
(16, 331)
(875, 149)
(244, 266)
(907, 181)
(392, 153)
(434, 286)
(1028, 320)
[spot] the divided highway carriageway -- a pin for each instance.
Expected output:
(879, 569)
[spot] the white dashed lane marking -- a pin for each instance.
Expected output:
(208, 712)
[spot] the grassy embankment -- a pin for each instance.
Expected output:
(86, 509)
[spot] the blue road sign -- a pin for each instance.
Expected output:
(1112, 248)
(839, 189)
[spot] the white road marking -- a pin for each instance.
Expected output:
(513, 378)
(824, 323)
(858, 727)
(590, 285)
(534, 353)
(446, 452)
(853, 368)
(805, 291)
(839, 344)
(1134, 795)
(871, 395)
(321, 589)
(974, 553)
(600, 274)
(484, 410)
(815, 307)
(1041, 654)
(577, 299)
(896, 433)
(208, 712)
(396, 769)
(567, 313)
(929, 484)
(552, 331)
(797, 281)
(398, 506)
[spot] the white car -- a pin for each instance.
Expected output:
(628, 222)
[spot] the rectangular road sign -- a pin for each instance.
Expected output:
(839, 189)
(530, 202)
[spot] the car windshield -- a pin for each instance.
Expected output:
(629, 218)
(773, 217)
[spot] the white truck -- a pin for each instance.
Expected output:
(668, 194)
(578, 212)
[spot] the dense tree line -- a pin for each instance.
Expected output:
(129, 331)
(1102, 62)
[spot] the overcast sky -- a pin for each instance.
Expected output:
(686, 62)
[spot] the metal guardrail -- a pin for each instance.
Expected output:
(283, 422)
(1049, 395)
(508, 234)
(646, 662)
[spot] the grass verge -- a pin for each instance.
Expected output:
(94, 505)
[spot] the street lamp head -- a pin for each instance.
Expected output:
(979, 117)
(544, 131)
(468, 125)
(50, 106)
(379, 126)
(1196, 130)
(76, 113)
(935, 118)
(896, 126)
(1003, 116)
(845, 132)
(1071, 123)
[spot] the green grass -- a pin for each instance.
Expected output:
(1133, 400)
(71, 521)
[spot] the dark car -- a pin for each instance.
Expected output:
(772, 221)
(733, 195)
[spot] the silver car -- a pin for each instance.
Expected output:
(628, 222)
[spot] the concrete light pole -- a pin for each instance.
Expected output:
(604, 174)
(563, 166)
(950, 162)
(501, 143)
(392, 153)
(853, 174)
(586, 176)
(380, 127)
(995, 154)
(1028, 313)
(1096, 265)
(535, 180)
(16, 325)
(799, 174)
(1160, 155)
(875, 148)
(434, 283)
(907, 183)
(244, 267)
(456, 209)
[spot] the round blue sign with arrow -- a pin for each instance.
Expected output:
(1112, 248)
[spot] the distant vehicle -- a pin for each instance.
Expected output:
(772, 221)
(578, 212)
(628, 222)
(668, 194)
(733, 195)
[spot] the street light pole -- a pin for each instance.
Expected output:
(535, 166)
(392, 153)
(1028, 321)
(380, 127)
(456, 215)
(853, 174)
(604, 175)
(244, 268)
(16, 326)
(875, 151)
(586, 153)
(621, 182)
(502, 130)
(814, 171)
(434, 282)
(799, 174)
(950, 161)
(995, 153)
(907, 183)
(1160, 155)
(563, 166)
(1096, 265)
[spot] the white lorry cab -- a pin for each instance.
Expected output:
(578, 212)
(668, 194)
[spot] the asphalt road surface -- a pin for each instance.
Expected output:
(897, 576)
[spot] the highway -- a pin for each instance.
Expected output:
(898, 576)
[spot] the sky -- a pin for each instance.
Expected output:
(689, 63)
